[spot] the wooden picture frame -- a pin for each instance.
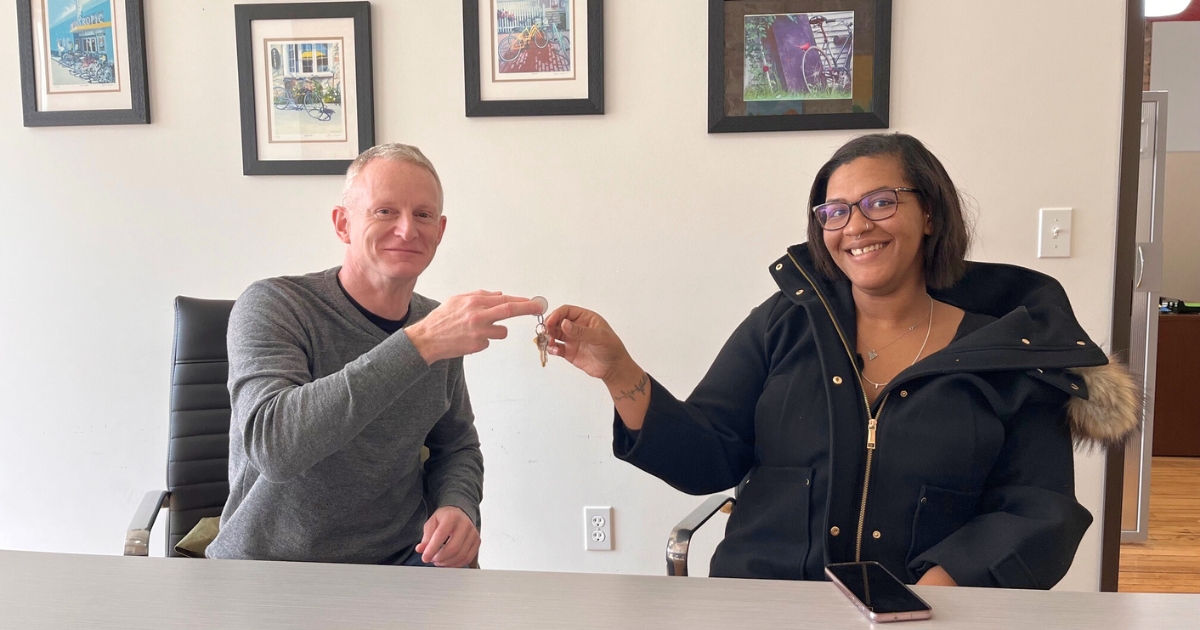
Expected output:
(82, 62)
(306, 86)
(783, 65)
(533, 57)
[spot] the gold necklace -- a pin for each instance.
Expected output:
(873, 354)
(928, 330)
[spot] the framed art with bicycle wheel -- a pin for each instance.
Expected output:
(307, 97)
(83, 62)
(533, 57)
(783, 65)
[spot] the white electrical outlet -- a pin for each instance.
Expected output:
(597, 524)
(1054, 233)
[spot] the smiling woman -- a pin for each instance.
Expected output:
(903, 161)
(891, 402)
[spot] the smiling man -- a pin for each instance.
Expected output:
(338, 379)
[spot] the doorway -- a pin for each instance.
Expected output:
(1152, 503)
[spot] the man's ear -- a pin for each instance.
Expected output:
(441, 228)
(341, 223)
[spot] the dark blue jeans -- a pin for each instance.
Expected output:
(407, 557)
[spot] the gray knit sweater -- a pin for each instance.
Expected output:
(329, 416)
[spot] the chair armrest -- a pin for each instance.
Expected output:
(681, 536)
(137, 537)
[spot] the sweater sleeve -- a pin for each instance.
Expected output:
(1028, 524)
(290, 421)
(454, 470)
(706, 443)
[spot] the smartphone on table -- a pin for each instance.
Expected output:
(877, 593)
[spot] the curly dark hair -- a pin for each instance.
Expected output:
(945, 248)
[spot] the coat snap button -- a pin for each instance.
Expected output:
(1080, 343)
(875, 534)
(800, 292)
(779, 266)
(904, 393)
(1040, 371)
(924, 500)
(837, 380)
(807, 481)
(1025, 341)
(1074, 386)
(834, 531)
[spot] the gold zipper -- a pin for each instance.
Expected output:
(872, 418)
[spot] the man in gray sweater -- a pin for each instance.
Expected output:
(338, 378)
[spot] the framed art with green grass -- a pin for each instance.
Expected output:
(784, 65)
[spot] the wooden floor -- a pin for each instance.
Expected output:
(1169, 562)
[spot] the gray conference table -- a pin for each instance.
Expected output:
(45, 590)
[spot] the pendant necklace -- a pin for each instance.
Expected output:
(872, 353)
(928, 330)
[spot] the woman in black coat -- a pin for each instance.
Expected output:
(892, 402)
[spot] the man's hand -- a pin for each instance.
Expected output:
(465, 324)
(450, 540)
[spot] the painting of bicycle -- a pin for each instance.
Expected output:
(532, 40)
(799, 56)
(305, 78)
(81, 46)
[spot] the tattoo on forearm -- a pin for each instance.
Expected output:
(640, 388)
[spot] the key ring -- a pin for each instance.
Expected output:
(542, 340)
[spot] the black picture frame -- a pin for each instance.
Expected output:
(244, 16)
(721, 79)
(477, 107)
(139, 110)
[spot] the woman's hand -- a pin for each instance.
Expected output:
(936, 576)
(586, 341)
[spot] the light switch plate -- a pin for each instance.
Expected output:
(1054, 233)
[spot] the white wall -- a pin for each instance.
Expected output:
(1175, 67)
(1181, 224)
(640, 214)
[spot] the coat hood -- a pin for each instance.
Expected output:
(1035, 331)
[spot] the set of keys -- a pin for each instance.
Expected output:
(542, 340)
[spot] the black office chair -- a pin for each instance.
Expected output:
(681, 536)
(198, 456)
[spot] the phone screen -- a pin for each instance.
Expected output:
(876, 588)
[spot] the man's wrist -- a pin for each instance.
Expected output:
(466, 512)
(425, 345)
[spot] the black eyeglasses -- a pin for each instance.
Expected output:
(876, 206)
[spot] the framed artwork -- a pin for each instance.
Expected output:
(534, 57)
(305, 78)
(83, 62)
(780, 65)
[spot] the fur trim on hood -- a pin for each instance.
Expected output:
(1112, 411)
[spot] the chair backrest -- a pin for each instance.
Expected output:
(198, 456)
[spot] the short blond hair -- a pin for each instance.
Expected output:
(392, 152)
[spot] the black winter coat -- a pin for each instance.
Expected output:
(965, 461)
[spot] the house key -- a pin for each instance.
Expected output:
(542, 340)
